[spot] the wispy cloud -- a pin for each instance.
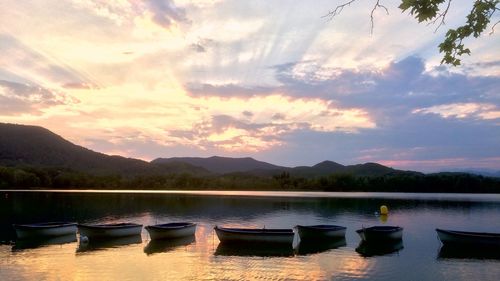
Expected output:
(17, 98)
(463, 110)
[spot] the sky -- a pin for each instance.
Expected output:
(272, 80)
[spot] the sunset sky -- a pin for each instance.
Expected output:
(273, 80)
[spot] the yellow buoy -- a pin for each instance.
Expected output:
(384, 210)
(383, 218)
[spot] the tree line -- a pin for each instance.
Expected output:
(63, 178)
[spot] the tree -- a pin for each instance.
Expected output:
(435, 12)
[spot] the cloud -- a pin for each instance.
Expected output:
(79, 86)
(164, 13)
(227, 90)
(463, 110)
(28, 65)
(16, 98)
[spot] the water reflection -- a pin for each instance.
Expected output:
(314, 247)
(32, 243)
(205, 259)
(254, 249)
(166, 245)
(370, 249)
(102, 244)
(468, 252)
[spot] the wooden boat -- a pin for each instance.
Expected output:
(254, 235)
(381, 233)
(112, 230)
(45, 229)
(171, 230)
(480, 239)
(322, 231)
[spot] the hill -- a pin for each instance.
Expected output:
(22, 145)
(34, 157)
(222, 165)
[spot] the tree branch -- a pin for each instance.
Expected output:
(331, 14)
(493, 27)
(375, 7)
(441, 16)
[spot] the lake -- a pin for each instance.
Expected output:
(419, 257)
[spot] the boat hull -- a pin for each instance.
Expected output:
(453, 237)
(381, 233)
(110, 230)
(41, 230)
(313, 232)
(171, 230)
(242, 235)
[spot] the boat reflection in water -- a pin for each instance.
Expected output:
(32, 243)
(313, 247)
(165, 245)
(369, 249)
(468, 252)
(102, 244)
(254, 249)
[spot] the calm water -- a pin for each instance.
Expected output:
(420, 257)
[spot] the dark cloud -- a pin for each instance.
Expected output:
(278, 116)
(18, 98)
(247, 113)
(228, 90)
(165, 13)
(79, 85)
(197, 47)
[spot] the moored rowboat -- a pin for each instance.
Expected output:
(110, 230)
(254, 235)
(46, 229)
(381, 233)
(171, 230)
(323, 231)
(454, 237)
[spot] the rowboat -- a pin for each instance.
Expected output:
(171, 230)
(323, 231)
(369, 249)
(112, 230)
(255, 235)
(381, 233)
(45, 229)
(481, 239)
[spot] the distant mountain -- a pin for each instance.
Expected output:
(252, 167)
(329, 167)
(22, 145)
(481, 172)
(221, 165)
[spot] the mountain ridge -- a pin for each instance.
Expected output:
(38, 146)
